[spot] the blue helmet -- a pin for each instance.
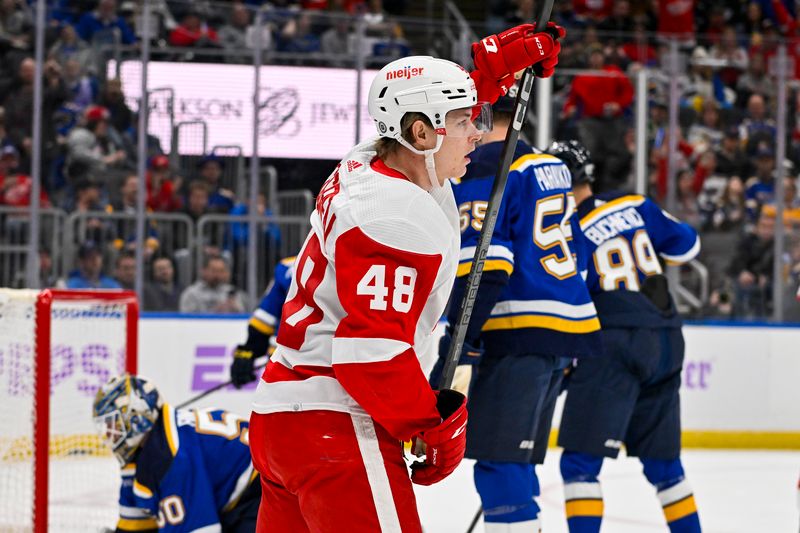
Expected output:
(125, 409)
(577, 158)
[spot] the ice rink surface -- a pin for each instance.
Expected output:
(736, 492)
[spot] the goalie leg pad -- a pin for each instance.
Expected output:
(674, 494)
(507, 492)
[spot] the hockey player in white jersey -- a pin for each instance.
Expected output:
(344, 384)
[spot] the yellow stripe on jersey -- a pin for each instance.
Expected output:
(141, 524)
(491, 264)
(286, 261)
(680, 509)
(588, 325)
(140, 490)
(169, 429)
(584, 508)
(529, 159)
(129, 469)
(266, 329)
(599, 212)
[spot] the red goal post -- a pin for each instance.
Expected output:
(57, 347)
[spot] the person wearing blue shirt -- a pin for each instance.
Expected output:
(182, 469)
(532, 315)
(89, 274)
(263, 325)
(104, 20)
(630, 395)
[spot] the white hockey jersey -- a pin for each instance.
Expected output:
(369, 286)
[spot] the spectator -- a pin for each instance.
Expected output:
(16, 20)
(757, 127)
(702, 84)
(19, 108)
(240, 34)
(727, 50)
(47, 277)
(760, 188)
(101, 24)
(126, 203)
(706, 134)
(593, 11)
(600, 100)
(125, 269)
(213, 293)
(163, 293)
(15, 188)
(193, 31)
(298, 35)
(89, 274)
(197, 200)
(728, 212)
(82, 88)
(731, 159)
(676, 20)
(96, 143)
(112, 98)
(162, 190)
(638, 49)
(751, 270)
(220, 199)
(791, 206)
(70, 46)
(335, 40)
(618, 23)
(688, 208)
(755, 80)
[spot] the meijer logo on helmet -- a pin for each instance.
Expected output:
(406, 72)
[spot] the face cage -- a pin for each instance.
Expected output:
(111, 428)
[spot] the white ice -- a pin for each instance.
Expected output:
(735, 491)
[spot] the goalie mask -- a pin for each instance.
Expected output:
(577, 158)
(125, 410)
(430, 86)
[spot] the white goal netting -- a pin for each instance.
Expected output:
(87, 347)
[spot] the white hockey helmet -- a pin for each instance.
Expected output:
(426, 85)
(125, 409)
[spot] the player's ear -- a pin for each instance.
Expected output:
(422, 135)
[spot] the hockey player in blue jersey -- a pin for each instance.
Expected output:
(263, 325)
(630, 395)
(182, 469)
(532, 314)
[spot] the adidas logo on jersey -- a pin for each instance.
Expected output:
(526, 445)
(352, 165)
(611, 443)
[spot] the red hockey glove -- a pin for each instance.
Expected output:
(445, 443)
(498, 57)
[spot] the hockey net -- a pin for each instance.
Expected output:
(56, 349)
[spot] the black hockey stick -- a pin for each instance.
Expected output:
(212, 390)
(496, 197)
(475, 519)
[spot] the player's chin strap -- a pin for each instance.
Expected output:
(430, 165)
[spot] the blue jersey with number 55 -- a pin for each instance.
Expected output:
(194, 467)
(544, 306)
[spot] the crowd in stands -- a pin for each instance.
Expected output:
(726, 137)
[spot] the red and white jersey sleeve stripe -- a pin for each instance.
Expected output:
(370, 284)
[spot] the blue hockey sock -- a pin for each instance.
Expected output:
(507, 492)
(674, 493)
(582, 494)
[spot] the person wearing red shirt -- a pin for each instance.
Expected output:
(676, 20)
(162, 191)
(193, 32)
(593, 10)
(599, 100)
